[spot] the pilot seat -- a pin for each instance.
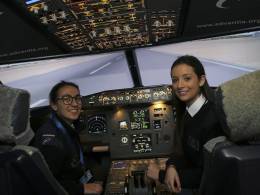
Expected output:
(23, 170)
(232, 163)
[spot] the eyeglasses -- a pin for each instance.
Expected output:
(67, 99)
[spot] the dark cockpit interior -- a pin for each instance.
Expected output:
(123, 130)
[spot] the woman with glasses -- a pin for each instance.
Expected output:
(197, 123)
(58, 141)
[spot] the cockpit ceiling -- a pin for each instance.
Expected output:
(98, 25)
(92, 26)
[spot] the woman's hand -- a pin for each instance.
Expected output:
(93, 188)
(172, 179)
(153, 171)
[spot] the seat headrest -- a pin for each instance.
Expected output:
(238, 106)
(14, 116)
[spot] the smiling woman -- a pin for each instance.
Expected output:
(186, 83)
(58, 140)
(196, 124)
(63, 103)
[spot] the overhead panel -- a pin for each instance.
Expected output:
(43, 28)
(164, 19)
(98, 25)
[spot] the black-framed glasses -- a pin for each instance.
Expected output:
(68, 99)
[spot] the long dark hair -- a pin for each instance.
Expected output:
(179, 105)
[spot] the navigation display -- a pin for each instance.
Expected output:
(97, 124)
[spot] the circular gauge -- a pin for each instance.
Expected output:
(97, 124)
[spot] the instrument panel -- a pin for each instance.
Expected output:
(93, 25)
(129, 177)
(129, 96)
(133, 123)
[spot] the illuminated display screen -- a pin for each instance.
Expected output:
(139, 119)
(141, 143)
(123, 125)
(97, 124)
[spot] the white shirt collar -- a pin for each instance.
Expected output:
(195, 107)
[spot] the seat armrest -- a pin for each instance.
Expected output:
(35, 169)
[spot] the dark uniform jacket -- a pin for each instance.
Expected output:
(62, 153)
(199, 129)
